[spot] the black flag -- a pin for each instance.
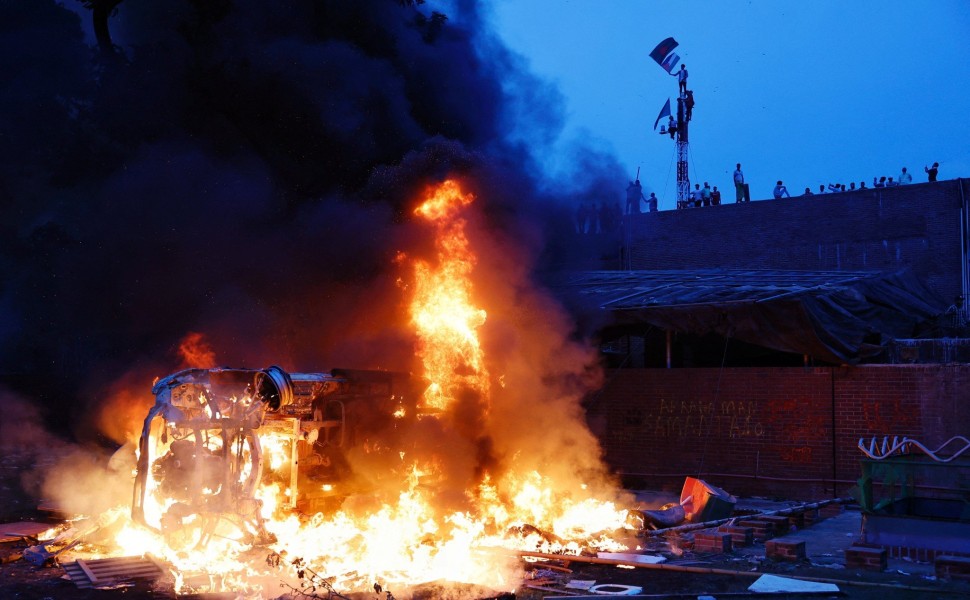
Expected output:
(663, 49)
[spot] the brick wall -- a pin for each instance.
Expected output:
(770, 430)
(916, 226)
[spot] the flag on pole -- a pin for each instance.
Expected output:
(670, 62)
(664, 112)
(662, 50)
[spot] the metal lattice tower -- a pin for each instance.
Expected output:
(683, 178)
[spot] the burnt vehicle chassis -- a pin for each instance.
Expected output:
(215, 437)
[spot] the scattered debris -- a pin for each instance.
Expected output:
(773, 584)
(614, 589)
(562, 593)
(836, 566)
(785, 511)
(669, 515)
(630, 557)
(704, 502)
(580, 584)
(46, 553)
(526, 530)
(699, 502)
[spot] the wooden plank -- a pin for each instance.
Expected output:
(136, 572)
(102, 572)
(87, 571)
(161, 566)
(120, 561)
(77, 576)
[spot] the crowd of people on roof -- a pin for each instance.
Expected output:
(604, 218)
(708, 196)
(702, 196)
(905, 178)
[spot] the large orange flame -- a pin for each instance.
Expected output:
(442, 310)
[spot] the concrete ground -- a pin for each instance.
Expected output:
(826, 541)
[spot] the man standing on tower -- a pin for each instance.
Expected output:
(682, 78)
(739, 184)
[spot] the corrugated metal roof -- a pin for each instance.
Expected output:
(840, 316)
(620, 290)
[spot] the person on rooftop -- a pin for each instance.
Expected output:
(780, 191)
(697, 196)
(932, 171)
(905, 177)
(739, 184)
(634, 193)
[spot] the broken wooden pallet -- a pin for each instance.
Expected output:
(111, 572)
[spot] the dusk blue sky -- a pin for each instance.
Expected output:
(807, 92)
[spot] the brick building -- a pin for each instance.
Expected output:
(773, 422)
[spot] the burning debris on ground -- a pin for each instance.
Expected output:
(658, 570)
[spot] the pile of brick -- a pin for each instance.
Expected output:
(745, 531)
(952, 567)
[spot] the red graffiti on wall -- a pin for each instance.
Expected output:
(887, 417)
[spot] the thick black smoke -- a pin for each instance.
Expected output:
(244, 169)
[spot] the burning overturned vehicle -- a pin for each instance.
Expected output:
(225, 454)
(221, 443)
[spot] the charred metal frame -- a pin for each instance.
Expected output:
(207, 422)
